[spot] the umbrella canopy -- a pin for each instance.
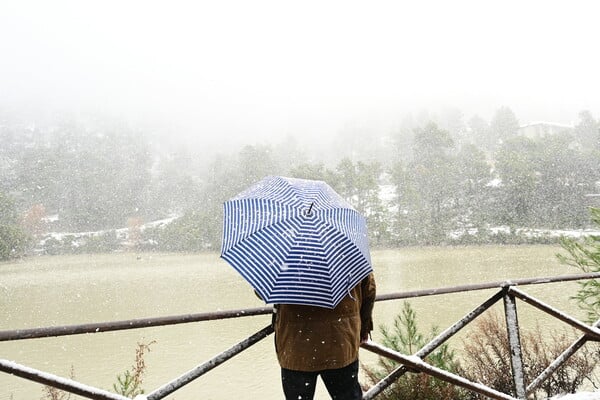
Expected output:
(296, 241)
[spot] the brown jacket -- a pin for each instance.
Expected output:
(309, 338)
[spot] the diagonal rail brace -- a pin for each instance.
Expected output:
(592, 332)
(559, 361)
(416, 363)
(200, 370)
(433, 344)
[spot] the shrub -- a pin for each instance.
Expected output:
(129, 384)
(105, 242)
(487, 359)
(13, 242)
(405, 337)
(195, 231)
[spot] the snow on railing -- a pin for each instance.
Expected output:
(508, 293)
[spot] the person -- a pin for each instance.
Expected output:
(314, 341)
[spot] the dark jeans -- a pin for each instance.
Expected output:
(342, 383)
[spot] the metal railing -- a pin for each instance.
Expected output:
(508, 293)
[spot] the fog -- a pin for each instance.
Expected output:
(222, 72)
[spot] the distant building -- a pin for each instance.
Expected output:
(536, 130)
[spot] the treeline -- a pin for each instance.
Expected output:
(435, 180)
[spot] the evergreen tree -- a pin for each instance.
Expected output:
(13, 240)
(425, 187)
(587, 131)
(515, 202)
(585, 255)
(504, 126)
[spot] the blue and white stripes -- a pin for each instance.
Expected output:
(296, 241)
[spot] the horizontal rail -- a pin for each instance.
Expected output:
(411, 363)
(35, 333)
(488, 285)
(58, 382)
(559, 361)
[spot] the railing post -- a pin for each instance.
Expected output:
(514, 341)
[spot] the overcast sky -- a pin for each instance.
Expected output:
(262, 68)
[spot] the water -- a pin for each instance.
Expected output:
(49, 291)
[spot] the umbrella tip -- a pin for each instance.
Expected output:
(310, 208)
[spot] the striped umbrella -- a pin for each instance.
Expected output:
(296, 241)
